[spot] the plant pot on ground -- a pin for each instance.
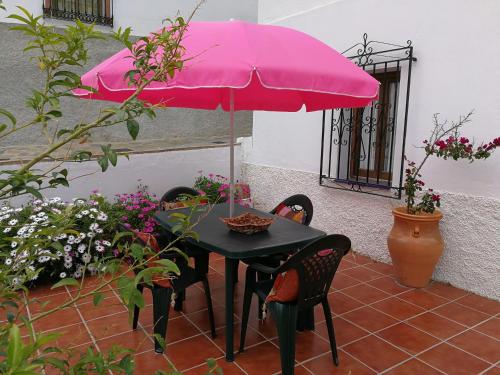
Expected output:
(415, 242)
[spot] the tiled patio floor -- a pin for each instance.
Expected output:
(381, 327)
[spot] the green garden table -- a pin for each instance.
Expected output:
(282, 236)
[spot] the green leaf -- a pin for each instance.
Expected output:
(34, 192)
(133, 128)
(118, 236)
(54, 113)
(168, 266)
(211, 363)
(98, 297)
(113, 157)
(9, 115)
(3, 127)
(15, 347)
(68, 281)
(103, 162)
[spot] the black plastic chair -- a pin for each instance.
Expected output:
(178, 192)
(162, 290)
(298, 202)
(315, 268)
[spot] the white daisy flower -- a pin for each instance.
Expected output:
(93, 210)
(81, 248)
(13, 253)
(59, 254)
(8, 261)
(13, 244)
(94, 226)
(68, 264)
(99, 230)
(13, 222)
(86, 257)
(102, 217)
(78, 216)
(62, 275)
(107, 243)
(82, 235)
(100, 248)
(7, 230)
(18, 209)
(91, 216)
(68, 258)
(67, 248)
(16, 281)
(85, 212)
(77, 275)
(90, 235)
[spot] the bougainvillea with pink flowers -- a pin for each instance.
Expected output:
(445, 142)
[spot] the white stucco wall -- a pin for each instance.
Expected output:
(456, 44)
(159, 171)
(147, 15)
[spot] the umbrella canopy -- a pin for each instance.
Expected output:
(243, 66)
(270, 68)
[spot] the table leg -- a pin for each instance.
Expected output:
(230, 277)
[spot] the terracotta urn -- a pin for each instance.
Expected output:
(415, 245)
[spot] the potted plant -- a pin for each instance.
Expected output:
(415, 243)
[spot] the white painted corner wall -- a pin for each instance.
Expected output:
(159, 171)
(457, 47)
(146, 16)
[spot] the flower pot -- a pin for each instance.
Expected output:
(415, 245)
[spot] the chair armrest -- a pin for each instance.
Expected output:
(264, 269)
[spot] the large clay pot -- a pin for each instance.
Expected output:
(415, 245)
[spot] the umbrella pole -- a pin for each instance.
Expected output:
(231, 152)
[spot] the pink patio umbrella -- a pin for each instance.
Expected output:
(243, 66)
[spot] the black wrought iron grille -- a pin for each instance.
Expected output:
(362, 149)
(89, 11)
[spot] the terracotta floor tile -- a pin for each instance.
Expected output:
(266, 328)
(461, 314)
(398, 308)
(146, 315)
(345, 332)
(375, 353)
(365, 293)
(191, 352)
(71, 336)
(308, 345)
(423, 299)
(45, 303)
(228, 368)
(369, 319)
(177, 329)
(341, 281)
(110, 325)
(263, 359)
(445, 290)
(453, 361)
(341, 303)
(495, 370)
(436, 325)
(108, 306)
(490, 328)
(150, 362)
(200, 318)
(362, 274)
(347, 365)
(106, 293)
(44, 291)
(58, 319)
(136, 340)
(383, 268)
(483, 304)
(195, 301)
(408, 338)
(413, 367)
(346, 264)
(479, 345)
(360, 259)
(252, 337)
(388, 284)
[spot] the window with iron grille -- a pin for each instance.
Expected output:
(362, 149)
(89, 11)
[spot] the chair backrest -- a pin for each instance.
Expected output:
(297, 203)
(316, 265)
(177, 192)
